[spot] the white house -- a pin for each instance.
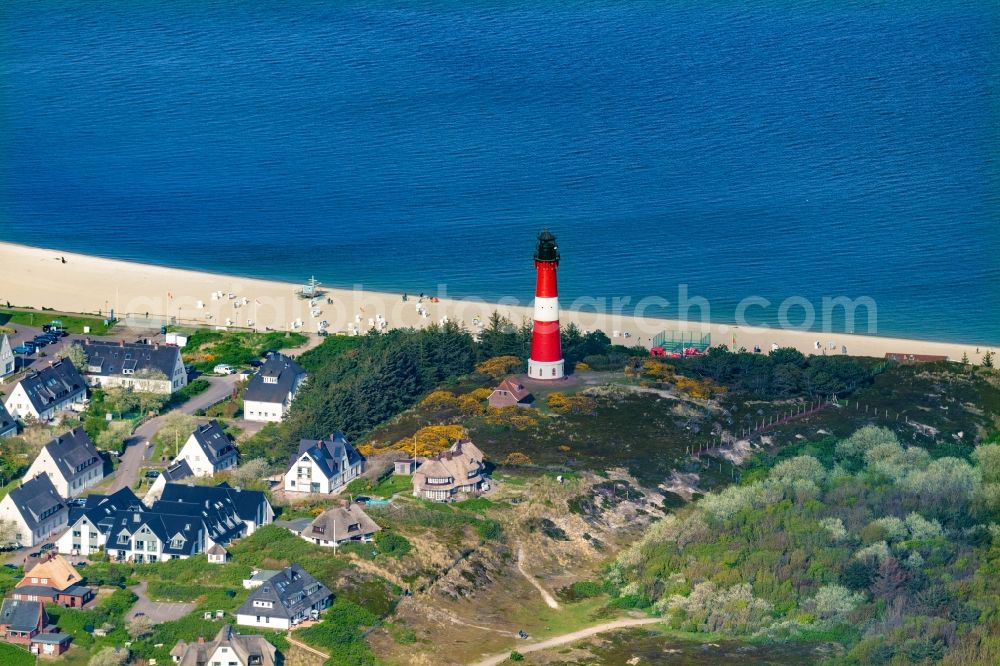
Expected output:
(151, 368)
(41, 394)
(176, 473)
(6, 357)
(284, 600)
(72, 462)
(340, 525)
(208, 450)
(229, 648)
(442, 477)
(36, 509)
(323, 466)
(271, 390)
(89, 525)
(188, 520)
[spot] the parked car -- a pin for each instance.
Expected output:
(223, 369)
(46, 548)
(24, 349)
(7, 547)
(11, 566)
(36, 554)
(40, 341)
(76, 501)
(151, 474)
(362, 499)
(61, 332)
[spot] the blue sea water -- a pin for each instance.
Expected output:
(741, 148)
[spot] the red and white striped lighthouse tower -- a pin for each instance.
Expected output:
(546, 360)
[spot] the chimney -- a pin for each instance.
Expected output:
(201, 640)
(121, 343)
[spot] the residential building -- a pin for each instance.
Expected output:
(7, 363)
(208, 450)
(37, 510)
(270, 391)
(405, 467)
(251, 507)
(8, 426)
(228, 648)
(284, 600)
(177, 472)
(443, 476)
(185, 521)
(50, 644)
(20, 621)
(151, 368)
(138, 536)
(42, 394)
(340, 525)
(217, 554)
(511, 393)
(323, 466)
(72, 462)
(89, 524)
(55, 581)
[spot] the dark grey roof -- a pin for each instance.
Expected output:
(329, 453)
(36, 591)
(220, 519)
(106, 358)
(292, 592)
(274, 381)
(53, 385)
(7, 423)
(177, 471)
(52, 638)
(73, 453)
(247, 503)
(36, 500)
(164, 526)
(214, 441)
(21, 615)
(101, 509)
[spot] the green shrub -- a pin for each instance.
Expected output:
(392, 544)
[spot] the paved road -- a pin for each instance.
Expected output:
(567, 638)
(157, 611)
(138, 448)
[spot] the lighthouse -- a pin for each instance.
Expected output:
(546, 361)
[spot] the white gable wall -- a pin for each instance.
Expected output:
(28, 537)
(81, 538)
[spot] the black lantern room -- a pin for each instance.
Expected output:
(547, 249)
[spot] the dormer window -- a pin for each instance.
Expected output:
(438, 481)
(270, 379)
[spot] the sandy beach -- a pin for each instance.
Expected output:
(34, 277)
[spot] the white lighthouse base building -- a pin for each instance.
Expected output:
(546, 369)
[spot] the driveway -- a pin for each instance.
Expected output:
(138, 448)
(220, 389)
(157, 611)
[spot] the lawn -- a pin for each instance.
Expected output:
(12, 655)
(72, 323)
(207, 348)
(385, 487)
